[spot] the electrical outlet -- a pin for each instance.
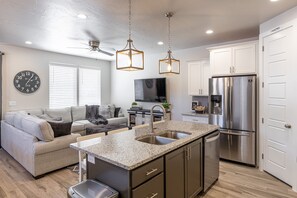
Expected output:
(12, 103)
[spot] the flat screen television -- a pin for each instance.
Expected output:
(150, 90)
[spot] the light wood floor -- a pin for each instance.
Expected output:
(236, 181)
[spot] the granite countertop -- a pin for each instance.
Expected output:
(195, 114)
(123, 150)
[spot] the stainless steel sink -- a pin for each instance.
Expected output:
(156, 140)
(174, 134)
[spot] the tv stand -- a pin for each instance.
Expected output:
(143, 116)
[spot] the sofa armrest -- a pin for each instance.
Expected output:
(58, 143)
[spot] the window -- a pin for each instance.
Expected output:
(62, 86)
(89, 86)
(70, 86)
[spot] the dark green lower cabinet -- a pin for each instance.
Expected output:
(183, 171)
(177, 174)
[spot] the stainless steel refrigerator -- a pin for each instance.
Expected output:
(232, 106)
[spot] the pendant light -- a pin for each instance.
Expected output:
(169, 65)
(129, 58)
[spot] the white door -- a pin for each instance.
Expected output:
(244, 59)
(194, 78)
(205, 75)
(278, 109)
(221, 61)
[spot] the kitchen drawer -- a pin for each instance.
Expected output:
(202, 120)
(153, 188)
(147, 171)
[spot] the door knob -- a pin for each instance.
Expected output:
(288, 126)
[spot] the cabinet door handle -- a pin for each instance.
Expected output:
(230, 70)
(153, 195)
(201, 91)
(151, 171)
(190, 153)
(233, 69)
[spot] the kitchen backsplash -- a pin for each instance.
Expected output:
(203, 100)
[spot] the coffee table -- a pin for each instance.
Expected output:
(103, 128)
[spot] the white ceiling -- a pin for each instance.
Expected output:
(53, 24)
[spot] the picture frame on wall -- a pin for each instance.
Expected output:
(194, 104)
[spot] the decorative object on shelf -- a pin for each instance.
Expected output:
(135, 106)
(26, 81)
(194, 104)
(169, 65)
(166, 106)
(200, 109)
(129, 58)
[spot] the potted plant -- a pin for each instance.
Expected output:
(134, 104)
(166, 105)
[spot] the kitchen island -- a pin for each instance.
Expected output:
(139, 169)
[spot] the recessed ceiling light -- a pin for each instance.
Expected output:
(82, 16)
(28, 42)
(209, 32)
(274, 0)
(160, 43)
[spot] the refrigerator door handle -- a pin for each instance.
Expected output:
(238, 134)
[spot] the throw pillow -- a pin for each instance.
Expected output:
(104, 110)
(112, 110)
(61, 128)
(116, 112)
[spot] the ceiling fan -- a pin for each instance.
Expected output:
(94, 46)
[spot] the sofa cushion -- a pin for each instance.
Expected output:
(119, 120)
(65, 113)
(76, 127)
(104, 110)
(49, 118)
(38, 128)
(85, 123)
(61, 128)
(9, 117)
(17, 119)
(78, 113)
(36, 112)
(58, 143)
(112, 110)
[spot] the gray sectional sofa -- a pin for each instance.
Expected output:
(30, 140)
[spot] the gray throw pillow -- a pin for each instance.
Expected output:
(104, 110)
(61, 128)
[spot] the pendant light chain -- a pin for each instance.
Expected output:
(130, 19)
(169, 34)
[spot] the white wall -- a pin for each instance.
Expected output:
(279, 20)
(122, 84)
(18, 58)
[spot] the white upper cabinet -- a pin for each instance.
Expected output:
(198, 75)
(235, 59)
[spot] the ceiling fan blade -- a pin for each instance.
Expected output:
(108, 48)
(104, 52)
(78, 47)
(91, 35)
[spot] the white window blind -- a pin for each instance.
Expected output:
(89, 86)
(62, 86)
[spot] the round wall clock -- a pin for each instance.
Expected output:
(26, 81)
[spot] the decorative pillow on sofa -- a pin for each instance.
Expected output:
(61, 128)
(116, 112)
(104, 110)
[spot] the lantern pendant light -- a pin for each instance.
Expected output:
(169, 65)
(129, 58)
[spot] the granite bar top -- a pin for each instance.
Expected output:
(123, 150)
(195, 114)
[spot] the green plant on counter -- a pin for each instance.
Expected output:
(134, 103)
(166, 105)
